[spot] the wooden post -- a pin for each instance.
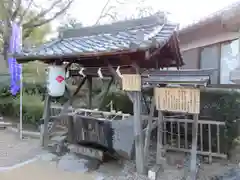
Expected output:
(210, 143)
(46, 116)
(138, 132)
(70, 118)
(193, 165)
(89, 82)
(159, 138)
(149, 130)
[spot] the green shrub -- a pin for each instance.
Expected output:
(216, 105)
(222, 106)
(32, 108)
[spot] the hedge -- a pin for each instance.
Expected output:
(216, 105)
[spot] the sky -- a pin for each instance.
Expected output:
(182, 11)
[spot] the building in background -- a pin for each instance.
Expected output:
(213, 43)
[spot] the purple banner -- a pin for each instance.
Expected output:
(15, 69)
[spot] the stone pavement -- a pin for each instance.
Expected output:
(14, 151)
(40, 169)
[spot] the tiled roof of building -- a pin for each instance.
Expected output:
(130, 35)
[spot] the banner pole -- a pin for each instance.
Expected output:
(21, 102)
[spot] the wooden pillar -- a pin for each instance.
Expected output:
(138, 133)
(149, 130)
(159, 138)
(89, 82)
(70, 118)
(193, 165)
(46, 116)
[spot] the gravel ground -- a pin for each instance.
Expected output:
(14, 151)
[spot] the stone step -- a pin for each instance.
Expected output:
(86, 151)
(59, 139)
(58, 133)
(4, 125)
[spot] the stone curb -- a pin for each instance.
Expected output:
(25, 133)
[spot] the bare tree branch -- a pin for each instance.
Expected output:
(16, 12)
(113, 13)
(42, 14)
(27, 33)
(25, 11)
(103, 9)
(45, 21)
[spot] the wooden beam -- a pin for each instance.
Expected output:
(118, 79)
(80, 86)
(89, 82)
(138, 132)
(105, 93)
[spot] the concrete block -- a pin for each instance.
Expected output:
(154, 172)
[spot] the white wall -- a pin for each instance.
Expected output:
(205, 41)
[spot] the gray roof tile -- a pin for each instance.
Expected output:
(120, 36)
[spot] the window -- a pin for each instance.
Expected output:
(229, 60)
(209, 58)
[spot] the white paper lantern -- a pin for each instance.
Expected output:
(56, 80)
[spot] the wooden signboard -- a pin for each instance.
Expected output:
(185, 100)
(131, 82)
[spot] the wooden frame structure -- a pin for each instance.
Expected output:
(175, 99)
(129, 47)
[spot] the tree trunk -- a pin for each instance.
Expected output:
(6, 41)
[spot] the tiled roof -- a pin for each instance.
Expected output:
(131, 35)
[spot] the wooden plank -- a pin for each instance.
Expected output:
(185, 100)
(138, 132)
(131, 82)
(224, 156)
(191, 121)
(193, 163)
(87, 151)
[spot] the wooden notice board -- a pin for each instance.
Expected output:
(185, 100)
(131, 82)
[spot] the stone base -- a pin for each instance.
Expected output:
(154, 172)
